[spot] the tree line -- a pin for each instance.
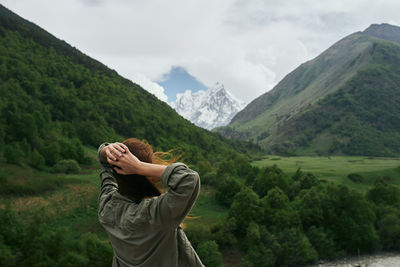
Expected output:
(278, 220)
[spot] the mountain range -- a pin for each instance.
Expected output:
(344, 101)
(208, 109)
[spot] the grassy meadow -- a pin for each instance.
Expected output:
(70, 200)
(206, 209)
(337, 168)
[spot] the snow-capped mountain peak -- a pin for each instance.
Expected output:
(208, 109)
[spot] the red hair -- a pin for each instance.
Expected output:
(137, 187)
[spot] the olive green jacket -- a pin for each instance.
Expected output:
(148, 233)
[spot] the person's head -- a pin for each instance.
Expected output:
(137, 187)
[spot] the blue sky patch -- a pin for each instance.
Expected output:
(178, 80)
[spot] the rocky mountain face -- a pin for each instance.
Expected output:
(337, 103)
(208, 109)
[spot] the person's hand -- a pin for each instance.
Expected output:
(126, 163)
(115, 150)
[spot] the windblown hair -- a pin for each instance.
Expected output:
(138, 187)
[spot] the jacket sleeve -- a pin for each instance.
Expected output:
(108, 182)
(171, 208)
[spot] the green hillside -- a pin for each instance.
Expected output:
(54, 99)
(294, 117)
(361, 118)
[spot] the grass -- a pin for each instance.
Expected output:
(206, 209)
(70, 200)
(61, 200)
(68, 204)
(337, 168)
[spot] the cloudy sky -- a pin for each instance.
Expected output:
(246, 45)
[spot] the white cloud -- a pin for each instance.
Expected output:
(150, 86)
(246, 45)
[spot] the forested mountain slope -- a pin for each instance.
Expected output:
(345, 101)
(53, 99)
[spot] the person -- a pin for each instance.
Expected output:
(142, 224)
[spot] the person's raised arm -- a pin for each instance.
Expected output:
(108, 182)
(170, 209)
(167, 210)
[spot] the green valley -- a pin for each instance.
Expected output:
(57, 105)
(338, 168)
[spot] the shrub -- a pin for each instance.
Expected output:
(71, 149)
(197, 233)
(225, 239)
(295, 248)
(3, 177)
(384, 194)
(388, 228)
(67, 166)
(7, 258)
(99, 253)
(72, 259)
(244, 209)
(258, 256)
(10, 227)
(36, 160)
(209, 178)
(12, 154)
(204, 167)
(227, 188)
(268, 178)
(322, 241)
(356, 178)
(385, 179)
(51, 153)
(209, 254)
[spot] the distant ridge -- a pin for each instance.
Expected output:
(351, 85)
(384, 31)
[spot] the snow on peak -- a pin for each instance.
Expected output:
(208, 109)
